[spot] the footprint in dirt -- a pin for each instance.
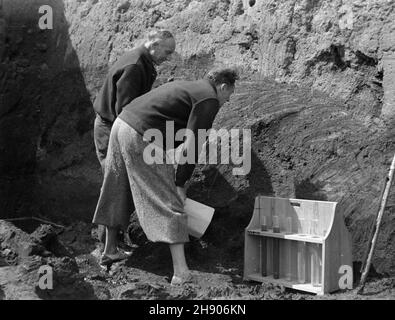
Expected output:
(144, 291)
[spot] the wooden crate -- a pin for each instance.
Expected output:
(307, 252)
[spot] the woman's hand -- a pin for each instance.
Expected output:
(182, 192)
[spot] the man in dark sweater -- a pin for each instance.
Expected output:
(130, 77)
(157, 190)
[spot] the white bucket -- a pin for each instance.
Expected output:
(199, 217)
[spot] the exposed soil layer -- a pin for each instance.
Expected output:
(304, 145)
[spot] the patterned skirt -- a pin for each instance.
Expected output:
(130, 183)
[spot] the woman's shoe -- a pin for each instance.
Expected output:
(184, 278)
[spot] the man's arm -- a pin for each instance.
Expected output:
(129, 86)
(201, 117)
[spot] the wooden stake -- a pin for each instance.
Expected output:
(378, 222)
(34, 218)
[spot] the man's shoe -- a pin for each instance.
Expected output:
(125, 248)
(109, 259)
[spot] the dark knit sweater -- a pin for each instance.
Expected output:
(130, 77)
(188, 104)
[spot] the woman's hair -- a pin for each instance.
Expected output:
(223, 75)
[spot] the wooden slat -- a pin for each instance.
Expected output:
(295, 237)
(338, 252)
(251, 255)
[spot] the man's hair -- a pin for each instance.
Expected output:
(223, 75)
(159, 35)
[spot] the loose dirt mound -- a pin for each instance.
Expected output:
(144, 276)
